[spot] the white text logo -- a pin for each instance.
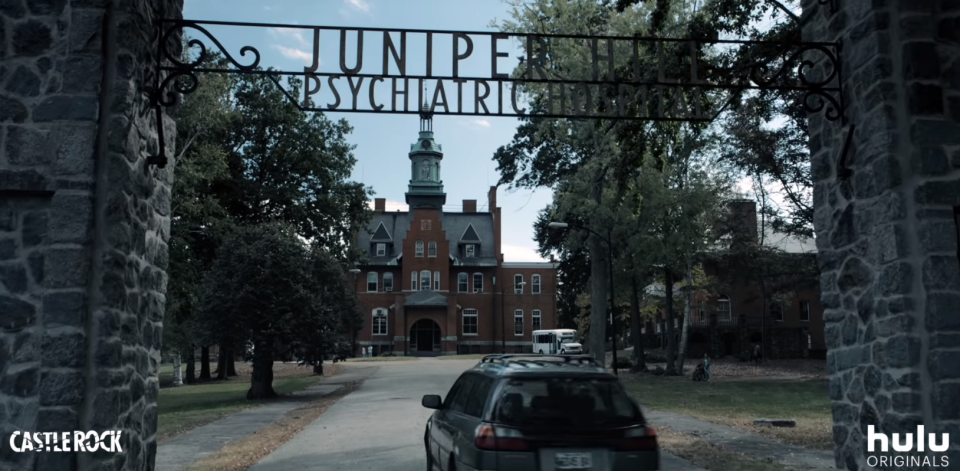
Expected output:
(77, 441)
(920, 442)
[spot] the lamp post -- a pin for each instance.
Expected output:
(356, 275)
(613, 316)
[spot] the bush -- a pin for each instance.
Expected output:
(655, 358)
(388, 354)
(658, 370)
(623, 363)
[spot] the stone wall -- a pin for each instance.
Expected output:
(886, 237)
(83, 227)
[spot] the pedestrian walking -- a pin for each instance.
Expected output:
(756, 353)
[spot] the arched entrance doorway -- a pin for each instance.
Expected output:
(425, 337)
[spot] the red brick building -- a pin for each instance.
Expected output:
(731, 322)
(436, 282)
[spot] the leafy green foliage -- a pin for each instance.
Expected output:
(277, 292)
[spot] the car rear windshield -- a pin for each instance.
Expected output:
(567, 401)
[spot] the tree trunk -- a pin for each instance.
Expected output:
(191, 377)
(763, 320)
(598, 287)
(177, 370)
(636, 327)
(221, 362)
(671, 342)
(261, 380)
(687, 315)
(205, 363)
(231, 363)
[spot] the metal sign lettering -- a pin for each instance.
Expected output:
(616, 84)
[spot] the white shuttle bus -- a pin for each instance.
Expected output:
(562, 341)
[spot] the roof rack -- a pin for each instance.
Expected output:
(529, 358)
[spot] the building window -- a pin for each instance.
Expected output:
(518, 284)
(413, 280)
(478, 282)
(436, 281)
(372, 281)
(381, 250)
(804, 311)
(419, 248)
(388, 282)
(469, 251)
(535, 287)
(379, 321)
(462, 283)
(470, 322)
(776, 311)
(536, 319)
(723, 308)
(425, 280)
(432, 248)
(518, 322)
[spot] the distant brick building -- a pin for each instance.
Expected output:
(732, 322)
(436, 282)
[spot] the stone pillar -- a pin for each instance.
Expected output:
(83, 227)
(886, 237)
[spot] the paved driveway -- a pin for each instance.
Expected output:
(380, 426)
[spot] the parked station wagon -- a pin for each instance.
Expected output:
(538, 412)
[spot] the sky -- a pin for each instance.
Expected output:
(383, 140)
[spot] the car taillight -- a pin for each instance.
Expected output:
(490, 438)
(638, 439)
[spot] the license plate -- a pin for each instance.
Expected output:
(573, 461)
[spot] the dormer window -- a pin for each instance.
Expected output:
(419, 248)
(381, 250)
(470, 251)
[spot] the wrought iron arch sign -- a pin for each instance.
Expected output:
(811, 69)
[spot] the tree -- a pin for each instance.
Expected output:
(544, 152)
(337, 312)
(283, 166)
(198, 219)
(766, 130)
(280, 291)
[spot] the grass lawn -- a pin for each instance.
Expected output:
(189, 406)
(738, 402)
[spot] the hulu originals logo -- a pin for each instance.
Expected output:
(920, 445)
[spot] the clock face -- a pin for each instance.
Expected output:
(426, 144)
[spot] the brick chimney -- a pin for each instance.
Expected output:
(469, 206)
(744, 219)
(492, 199)
(380, 204)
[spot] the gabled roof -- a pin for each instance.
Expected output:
(425, 298)
(470, 235)
(381, 234)
(455, 225)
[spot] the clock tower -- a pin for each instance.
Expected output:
(426, 188)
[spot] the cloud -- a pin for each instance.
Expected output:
(517, 253)
(482, 122)
(359, 5)
(267, 8)
(294, 53)
(293, 33)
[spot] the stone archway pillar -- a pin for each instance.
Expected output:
(83, 227)
(886, 237)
